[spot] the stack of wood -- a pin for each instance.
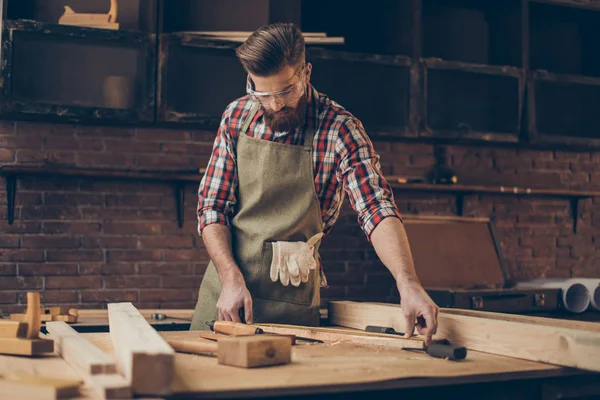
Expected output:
(241, 36)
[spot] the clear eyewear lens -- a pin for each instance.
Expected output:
(279, 97)
(282, 98)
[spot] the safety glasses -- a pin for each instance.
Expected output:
(281, 97)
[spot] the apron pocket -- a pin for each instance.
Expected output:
(267, 289)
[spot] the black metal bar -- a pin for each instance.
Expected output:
(11, 192)
(460, 199)
(575, 212)
(180, 200)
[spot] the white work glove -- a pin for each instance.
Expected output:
(293, 261)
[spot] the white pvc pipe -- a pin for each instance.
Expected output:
(575, 295)
(593, 287)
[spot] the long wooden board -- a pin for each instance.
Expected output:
(147, 313)
(346, 336)
(97, 369)
(335, 367)
(80, 353)
(144, 357)
(529, 341)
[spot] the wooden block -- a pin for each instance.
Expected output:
(12, 329)
(78, 352)
(144, 357)
(64, 318)
(24, 386)
(26, 347)
(32, 315)
(55, 310)
(110, 386)
(254, 351)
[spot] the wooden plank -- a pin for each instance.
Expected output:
(46, 318)
(529, 341)
(336, 367)
(80, 353)
(26, 386)
(332, 335)
(12, 329)
(145, 358)
(25, 347)
(147, 313)
(109, 386)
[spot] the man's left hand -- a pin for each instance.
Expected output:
(419, 310)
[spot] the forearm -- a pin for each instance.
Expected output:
(217, 239)
(391, 245)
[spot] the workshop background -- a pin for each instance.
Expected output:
(85, 241)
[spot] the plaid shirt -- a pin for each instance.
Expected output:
(343, 155)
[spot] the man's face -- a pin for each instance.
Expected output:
(283, 111)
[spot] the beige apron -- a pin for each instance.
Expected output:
(276, 201)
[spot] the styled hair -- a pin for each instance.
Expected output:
(272, 47)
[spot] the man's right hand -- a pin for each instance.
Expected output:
(234, 296)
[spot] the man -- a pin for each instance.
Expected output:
(282, 161)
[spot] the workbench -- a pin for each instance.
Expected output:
(335, 370)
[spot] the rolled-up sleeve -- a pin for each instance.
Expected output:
(216, 193)
(369, 192)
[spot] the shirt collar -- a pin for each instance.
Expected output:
(310, 113)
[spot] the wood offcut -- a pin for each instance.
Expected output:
(144, 357)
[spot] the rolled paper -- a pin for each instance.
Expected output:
(574, 294)
(593, 287)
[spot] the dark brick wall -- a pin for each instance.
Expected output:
(84, 242)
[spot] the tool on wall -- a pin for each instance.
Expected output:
(438, 349)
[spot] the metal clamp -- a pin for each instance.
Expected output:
(477, 302)
(539, 299)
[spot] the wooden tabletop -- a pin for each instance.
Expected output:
(315, 368)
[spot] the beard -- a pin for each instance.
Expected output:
(286, 119)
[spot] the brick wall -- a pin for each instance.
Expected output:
(84, 242)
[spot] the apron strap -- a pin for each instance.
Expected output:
(253, 111)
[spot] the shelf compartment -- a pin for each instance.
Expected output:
(563, 109)
(198, 78)
(133, 15)
(78, 74)
(374, 88)
(381, 27)
(563, 37)
(470, 101)
(473, 31)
